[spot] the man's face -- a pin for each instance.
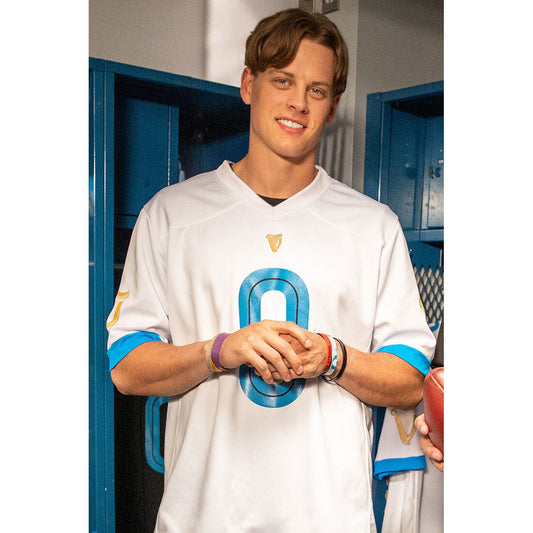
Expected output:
(289, 107)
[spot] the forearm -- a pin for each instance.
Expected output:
(382, 379)
(160, 369)
(379, 378)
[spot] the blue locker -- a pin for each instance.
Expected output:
(101, 419)
(148, 129)
(146, 153)
(404, 157)
(401, 186)
(434, 179)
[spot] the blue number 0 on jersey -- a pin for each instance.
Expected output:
(297, 310)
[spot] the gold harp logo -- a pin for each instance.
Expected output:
(405, 436)
(274, 241)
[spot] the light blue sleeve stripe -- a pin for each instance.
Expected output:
(387, 467)
(410, 355)
(119, 349)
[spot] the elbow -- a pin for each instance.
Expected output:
(121, 381)
(409, 402)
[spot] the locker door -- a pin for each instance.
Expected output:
(404, 184)
(146, 153)
(434, 204)
(135, 132)
(404, 157)
(146, 160)
(101, 450)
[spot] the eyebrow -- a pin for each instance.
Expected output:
(287, 74)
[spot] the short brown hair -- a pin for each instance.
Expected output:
(275, 41)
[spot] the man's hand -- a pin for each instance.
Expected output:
(432, 453)
(269, 347)
(313, 357)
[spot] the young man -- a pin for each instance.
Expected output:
(271, 303)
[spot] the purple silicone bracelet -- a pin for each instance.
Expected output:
(215, 350)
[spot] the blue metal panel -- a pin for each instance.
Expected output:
(203, 157)
(404, 180)
(434, 175)
(373, 142)
(101, 439)
(146, 156)
(175, 80)
(396, 158)
(417, 91)
(423, 254)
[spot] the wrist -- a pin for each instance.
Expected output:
(329, 353)
(213, 350)
(332, 359)
(342, 359)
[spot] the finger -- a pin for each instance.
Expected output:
(289, 357)
(261, 369)
(255, 352)
(294, 343)
(277, 352)
(276, 375)
(266, 359)
(292, 329)
(421, 426)
(435, 454)
(275, 361)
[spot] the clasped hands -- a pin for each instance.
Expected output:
(278, 351)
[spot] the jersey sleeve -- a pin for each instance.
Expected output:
(400, 325)
(140, 311)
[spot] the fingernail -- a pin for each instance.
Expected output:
(308, 343)
(300, 369)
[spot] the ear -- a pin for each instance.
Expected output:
(247, 79)
(333, 109)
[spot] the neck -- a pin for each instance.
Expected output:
(277, 179)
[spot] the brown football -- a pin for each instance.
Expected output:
(434, 406)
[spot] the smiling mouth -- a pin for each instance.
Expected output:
(290, 123)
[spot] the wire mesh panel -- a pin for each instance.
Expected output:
(431, 287)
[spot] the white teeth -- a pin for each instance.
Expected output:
(290, 123)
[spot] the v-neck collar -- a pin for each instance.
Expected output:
(272, 201)
(297, 201)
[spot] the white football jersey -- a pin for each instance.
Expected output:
(207, 256)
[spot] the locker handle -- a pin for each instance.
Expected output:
(434, 171)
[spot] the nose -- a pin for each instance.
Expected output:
(298, 100)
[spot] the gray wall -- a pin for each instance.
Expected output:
(392, 43)
(160, 34)
(400, 44)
